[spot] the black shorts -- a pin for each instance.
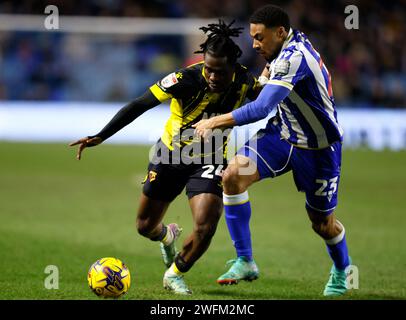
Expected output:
(166, 181)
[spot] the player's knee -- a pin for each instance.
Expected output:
(321, 224)
(232, 181)
(230, 175)
(325, 228)
(320, 228)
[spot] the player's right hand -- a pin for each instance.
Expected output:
(84, 143)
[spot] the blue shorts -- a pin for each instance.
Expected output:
(316, 172)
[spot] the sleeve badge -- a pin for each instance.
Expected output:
(169, 81)
(281, 68)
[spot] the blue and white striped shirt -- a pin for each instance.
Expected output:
(300, 87)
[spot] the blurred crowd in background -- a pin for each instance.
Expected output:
(368, 65)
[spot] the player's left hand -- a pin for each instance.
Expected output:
(85, 143)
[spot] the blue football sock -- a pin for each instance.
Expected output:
(238, 213)
(338, 251)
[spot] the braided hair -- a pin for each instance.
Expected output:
(219, 42)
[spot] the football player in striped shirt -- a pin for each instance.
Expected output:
(304, 137)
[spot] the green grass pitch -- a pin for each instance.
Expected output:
(55, 210)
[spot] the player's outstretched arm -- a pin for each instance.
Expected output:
(123, 117)
(253, 111)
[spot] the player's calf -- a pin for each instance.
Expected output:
(333, 233)
(204, 232)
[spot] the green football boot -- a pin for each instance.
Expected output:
(176, 284)
(337, 283)
(169, 252)
(241, 269)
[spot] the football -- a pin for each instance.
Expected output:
(109, 278)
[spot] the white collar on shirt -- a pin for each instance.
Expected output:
(290, 35)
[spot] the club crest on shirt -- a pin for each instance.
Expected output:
(169, 80)
(152, 176)
(281, 67)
